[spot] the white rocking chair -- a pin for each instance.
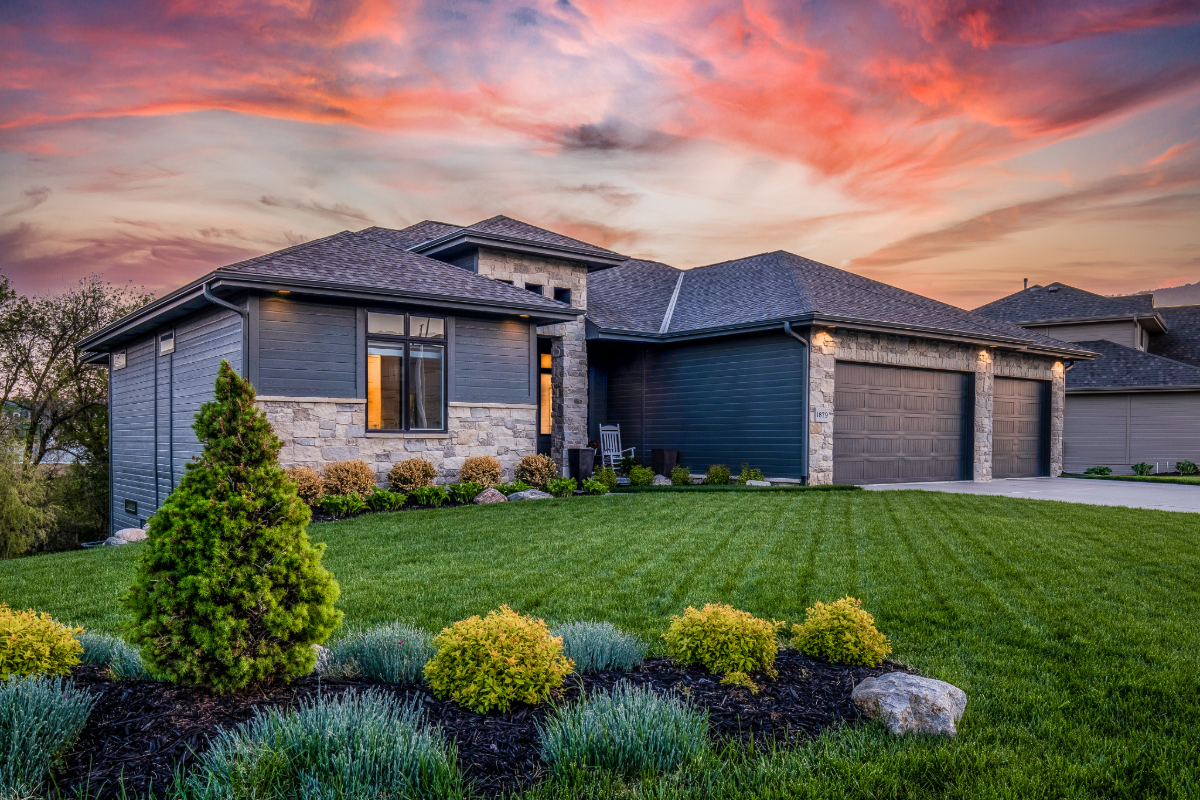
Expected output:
(610, 446)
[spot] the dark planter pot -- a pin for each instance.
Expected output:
(580, 463)
(663, 461)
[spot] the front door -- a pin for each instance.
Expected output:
(545, 396)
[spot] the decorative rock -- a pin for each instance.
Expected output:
(530, 494)
(661, 480)
(113, 541)
(758, 483)
(489, 495)
(130, 535)
(910, 703)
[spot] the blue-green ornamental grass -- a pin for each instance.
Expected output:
(40, 718)
(395, 653)
(122, 659)
(367, 745)
(628, 729)
(599, 646)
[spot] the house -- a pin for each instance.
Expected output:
(505, 339)
(1139, 400)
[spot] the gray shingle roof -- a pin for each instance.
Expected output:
(632, 296)
(1059, 301)
(776, 286)
(1181, 342)
(513, 228)
(361, 260)
(1120, 367)
(413, 235)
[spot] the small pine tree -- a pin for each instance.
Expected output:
(229, 591)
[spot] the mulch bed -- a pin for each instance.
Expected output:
(140, 731)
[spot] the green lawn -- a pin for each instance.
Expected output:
(1073, 629)
(1186, 480)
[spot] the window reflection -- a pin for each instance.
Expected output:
(384, 371)
(426, 370)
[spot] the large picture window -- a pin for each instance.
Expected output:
(406, 372)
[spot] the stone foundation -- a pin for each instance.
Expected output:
(316, 432)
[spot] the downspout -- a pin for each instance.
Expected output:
(244, 313)
(787, 328)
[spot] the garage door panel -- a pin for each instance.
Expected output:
(923, 442)
(1019, 430)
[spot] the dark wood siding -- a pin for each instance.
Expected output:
(723, 401)
(1020, 434)
(132, 446)
(307, 350)
(491, 361)
(893, 424)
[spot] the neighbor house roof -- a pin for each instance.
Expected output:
(1057, 302)
(1124, 368)
(1182, 338)
(349, 265)
(768, 289)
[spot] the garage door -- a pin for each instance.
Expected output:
(893, 425)
(1019, 414)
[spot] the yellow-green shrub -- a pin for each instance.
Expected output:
(35, 644)
(411, 474)
(308, 482)
(495, 661)
(723, 640)
(349, 477)
(484, 470)
(536, 470)
(842, 632)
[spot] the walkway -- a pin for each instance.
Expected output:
(1160, 496)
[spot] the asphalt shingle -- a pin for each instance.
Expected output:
(632, 296)
(1059, 301)
(515, 229)
(1182, 339)
(413, 235)
(1120, 367)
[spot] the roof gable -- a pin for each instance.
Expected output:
(501, 225)
(1058, 301)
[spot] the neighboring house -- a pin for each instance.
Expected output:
(505, 339)
(1139, 400)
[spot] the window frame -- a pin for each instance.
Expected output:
(163, 339)
(396, 341)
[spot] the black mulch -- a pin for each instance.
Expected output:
(140, 731)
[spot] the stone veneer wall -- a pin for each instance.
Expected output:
(569, 382)
(829, 346)
(318, 431)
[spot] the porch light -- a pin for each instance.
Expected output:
(523, 316)
(285, 291)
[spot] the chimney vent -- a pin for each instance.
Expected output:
(1027, 283)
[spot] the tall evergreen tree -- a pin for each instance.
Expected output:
(229, 591)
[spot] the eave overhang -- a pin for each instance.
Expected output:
(594, 332)
(190, 298)
(1151, 322)
(1156, 389)
(454, 244)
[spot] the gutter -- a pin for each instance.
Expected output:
(787, 328)
(212, 298)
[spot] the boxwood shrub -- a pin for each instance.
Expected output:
(724, 640)
(843, 632)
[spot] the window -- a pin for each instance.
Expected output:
(545, 372)
(119, 360)
(406, 373)
(536, 288)
(563, 295)
(131, 507)
(166, 343)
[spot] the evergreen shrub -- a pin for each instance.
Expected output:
(122, 659)
(641, 476)
(349, 477)
(536, 470)
(464, 492)
(33, 643)
(355, 746)
(228, 590)
(600, 646)
(339, 506)
(494, 661)
(484, 470)
(432, 496)
(842, 632)
(718, 475)
(309, 485)
(723, 639)
(561, 487)
(395, 653)
(681, 476)
(410, 474)
(384, 500)
(40, 718)
(629, 730)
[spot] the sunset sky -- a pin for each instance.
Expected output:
(950, 148)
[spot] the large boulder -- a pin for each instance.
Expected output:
(660, 480)
(130, 535)
(530, 494)
(489, 495)
(910, 703)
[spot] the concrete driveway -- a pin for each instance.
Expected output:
(1160, 496)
